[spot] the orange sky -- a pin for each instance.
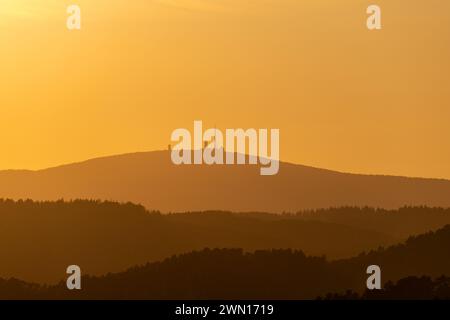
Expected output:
(344, 98)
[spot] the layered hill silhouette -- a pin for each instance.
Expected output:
(266, 274)
(107, 237)
(38, 240)
(150, 178)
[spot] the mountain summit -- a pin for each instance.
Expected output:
(151, 179)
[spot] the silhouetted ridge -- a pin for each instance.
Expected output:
(264, 274)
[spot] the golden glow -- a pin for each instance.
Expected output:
(344, 98)
(21, 9)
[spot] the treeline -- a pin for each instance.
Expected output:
(265, 274)
(401, 223)
(409, 288)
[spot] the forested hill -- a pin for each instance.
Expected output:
(150, 178)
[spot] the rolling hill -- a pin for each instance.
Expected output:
(149, 178)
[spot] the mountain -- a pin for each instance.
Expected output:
(264, 274)
(150, 178)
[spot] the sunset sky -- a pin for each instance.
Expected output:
(344, 97)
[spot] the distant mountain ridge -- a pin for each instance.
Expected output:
(150, 178)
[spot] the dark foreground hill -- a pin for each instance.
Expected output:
(409, 288)
(151, 179)
(274, 274)
(38, 240)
